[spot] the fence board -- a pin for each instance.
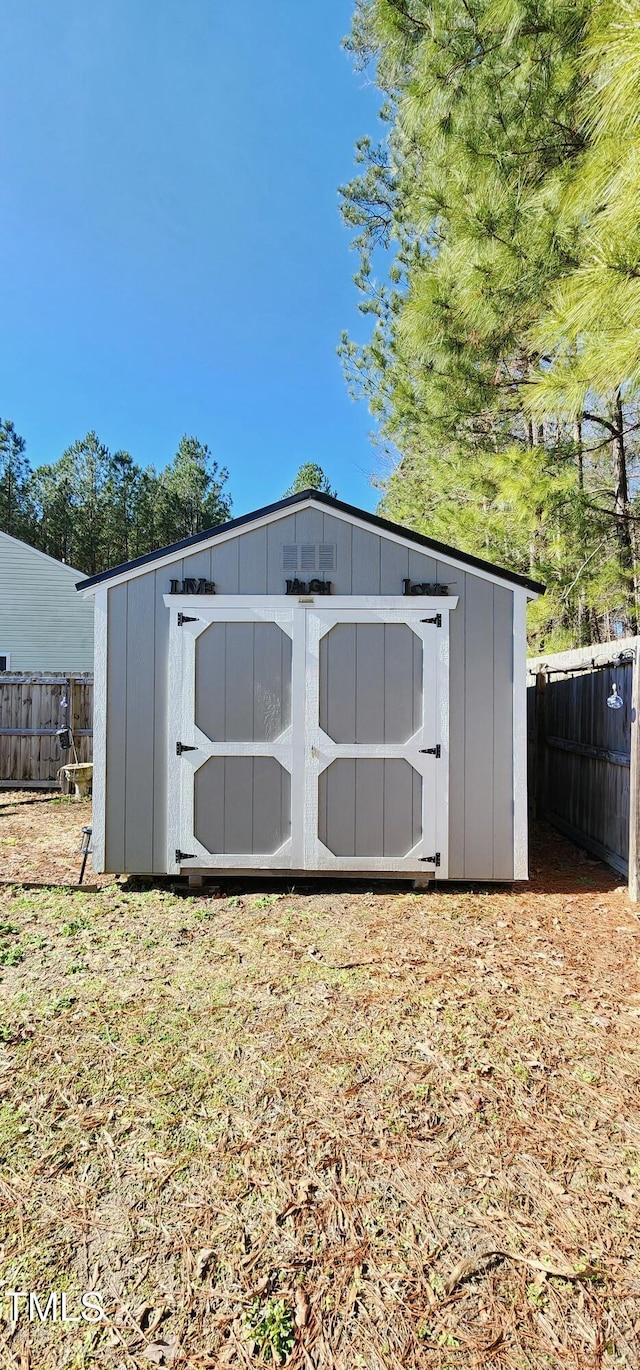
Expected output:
(580, 749)
(31, 711)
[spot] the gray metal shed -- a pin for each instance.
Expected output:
(310, 688)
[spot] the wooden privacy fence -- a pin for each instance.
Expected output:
(583, 755)
(33, 706)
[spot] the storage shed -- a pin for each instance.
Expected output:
(310, 689)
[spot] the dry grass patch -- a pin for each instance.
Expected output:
(363, 1130)
(40, 835)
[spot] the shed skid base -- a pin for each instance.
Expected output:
(198, 877)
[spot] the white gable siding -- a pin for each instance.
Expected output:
(45, 625)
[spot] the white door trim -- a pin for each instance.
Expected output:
(259, 604)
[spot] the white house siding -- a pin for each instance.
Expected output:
(45, 625)
(481, 683)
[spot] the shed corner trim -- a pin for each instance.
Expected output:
(520, 797)
(99, 789)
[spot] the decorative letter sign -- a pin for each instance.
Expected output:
(411, 587)
(192, 587)
(314, 587)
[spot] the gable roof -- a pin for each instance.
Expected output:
(329, 502)
(43, 556)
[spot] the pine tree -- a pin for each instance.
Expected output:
(590, 335)
(14, 472)
(54, 523)
(94, 509)
(310, 476)
(485, 139)
(190, 494)
(72, 500)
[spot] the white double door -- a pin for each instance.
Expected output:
(308, 736)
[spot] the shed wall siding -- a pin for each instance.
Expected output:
(481, 689)
(44, 623)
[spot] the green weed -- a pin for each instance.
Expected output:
(75, 925)
(270, 1327)
(11, 956)
(11, 1128)
(64, 1001)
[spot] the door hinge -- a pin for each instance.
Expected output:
(186, 618)
(184, 747)
(432, 751)
(184, 856)
(432, 860)
(437, 619)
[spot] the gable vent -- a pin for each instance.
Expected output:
(327, 556)
(309, 556)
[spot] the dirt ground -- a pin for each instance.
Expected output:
(41, 833)
(332, 1126)
(40, 838)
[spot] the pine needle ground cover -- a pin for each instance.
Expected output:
(334, 1127)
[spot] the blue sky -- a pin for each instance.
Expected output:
(173, 259)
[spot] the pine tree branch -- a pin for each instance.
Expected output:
(400, 9)
(574, 582)
(605, 423)
(611, 513)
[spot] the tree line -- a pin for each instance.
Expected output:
(94, 508)
(498, 231)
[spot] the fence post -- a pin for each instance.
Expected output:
(540, 784)
(634, 782)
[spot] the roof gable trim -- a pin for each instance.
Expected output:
(295, 503)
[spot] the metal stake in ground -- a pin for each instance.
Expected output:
(85, 848)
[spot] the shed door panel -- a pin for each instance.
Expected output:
(307, 737)
(235, 774)
(242, 804)
(370, 682)
(243, 682)
(371, 713)
(369, 807)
